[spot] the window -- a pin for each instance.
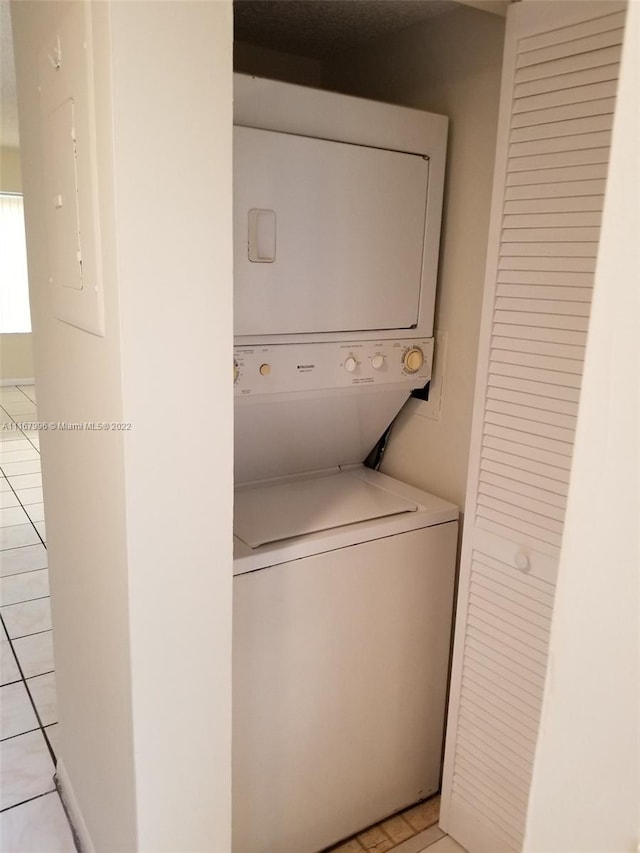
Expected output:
(15, 316)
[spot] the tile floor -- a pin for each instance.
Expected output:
(32, 819)
(411, 831)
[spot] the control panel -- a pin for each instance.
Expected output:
(286, 368)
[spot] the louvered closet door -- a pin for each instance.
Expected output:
(558, 91)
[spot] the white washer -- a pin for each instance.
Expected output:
(343, 595)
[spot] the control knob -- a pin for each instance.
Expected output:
(377, 362)
(236, 371)
(413, 359)
(350, 364)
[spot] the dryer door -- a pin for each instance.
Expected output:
(328, 236)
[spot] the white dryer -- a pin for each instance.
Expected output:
(343, 577)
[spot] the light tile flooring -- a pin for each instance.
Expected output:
(412, 831)
(32, 819)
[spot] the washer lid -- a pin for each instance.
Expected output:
(275, 511)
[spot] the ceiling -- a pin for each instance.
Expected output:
(312, 28)
(320, 28)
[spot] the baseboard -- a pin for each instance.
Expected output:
(70, 803)
(30, 381)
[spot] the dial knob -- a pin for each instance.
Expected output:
(236, 371)
(413, 360)
(377, 362)
(350, 364)
(265, 369)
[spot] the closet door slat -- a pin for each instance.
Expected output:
(579, 234)
(550, 264)
(519, 487)
(567, 64)
(522, 461)
(582, 109)
(574, 308)
(556, 160)
(555, 205)
(563, 250)
(545, 321)
(543, 407)
(515, 290)
(544, 378)
(587, 171)
(523, 345)
(593, 26)
(559, 189)
(575, 95)
(493, 781)
(518, 513)
(528, 586)
(530, 437)
(527, 421)
(575, 219)
(544, 510)
(492, 725)
(509, 682)
(474, 755)
(583, 77)
(558, 392)
(522, 649)
(544, 362)
(475, 796)
(557, 129)
(548, 278)
(518, 443)
(537, 333)
(571, 47)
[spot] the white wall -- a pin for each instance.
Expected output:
(83, 481)
(585, 793)
(139, 524)
(16, 354)
(176, 278)
(265, 62)
(450, 65)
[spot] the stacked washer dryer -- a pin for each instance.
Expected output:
(343, 577)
